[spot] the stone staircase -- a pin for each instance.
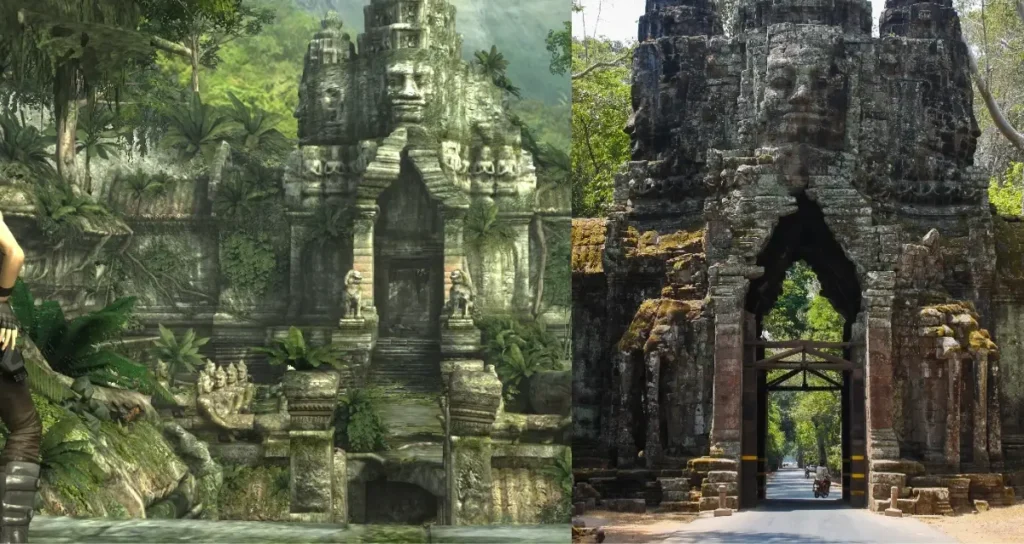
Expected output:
(406, 365)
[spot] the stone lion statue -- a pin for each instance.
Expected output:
(353, 295)
(460, 297)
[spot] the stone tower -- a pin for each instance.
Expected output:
(401, 135)
(798, 137)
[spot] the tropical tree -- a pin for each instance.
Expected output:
(255, 130)
(78, 50)
(196, 130)
(494, 66)
(97, 137)
(293, 351)
(141, 183)
(601, 107)
(197, 29)
(180, 354)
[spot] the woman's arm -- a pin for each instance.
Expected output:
(10, 266)
(12, 260)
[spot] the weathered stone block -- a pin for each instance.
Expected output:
(709, 489)
(721, 476)
(981, 506)
(711, 503)
(637, 506)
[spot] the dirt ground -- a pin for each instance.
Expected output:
(632, 528)
(996, 526)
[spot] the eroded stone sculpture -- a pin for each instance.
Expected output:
(353, 295)
(460, 297)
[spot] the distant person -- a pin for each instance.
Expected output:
(20, 456)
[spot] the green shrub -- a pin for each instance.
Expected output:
(517, 349)
(359, 427)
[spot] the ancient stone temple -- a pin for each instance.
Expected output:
(401, 135)
(797, 136)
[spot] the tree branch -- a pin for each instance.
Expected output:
(1002, 124)
(109, 36)
(606, 64)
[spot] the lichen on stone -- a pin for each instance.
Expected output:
(653, 244)
(652, 314)
(588, 236)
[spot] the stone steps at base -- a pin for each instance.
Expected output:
(407, 373)
(680, 506)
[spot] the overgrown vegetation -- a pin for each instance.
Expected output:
(358, 425)
(518, 349)
(295, 352)
(84, 345)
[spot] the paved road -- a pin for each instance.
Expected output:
(63, 530)
(790, 484)
(805, 521)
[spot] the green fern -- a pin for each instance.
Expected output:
(359, 427)
(73, 347)
(65, 460)
(294, 351)
(485, 231)
(179, 354)
(46, 384)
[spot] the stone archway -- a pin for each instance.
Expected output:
(803, 236)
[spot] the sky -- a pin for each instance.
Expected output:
(617, 18)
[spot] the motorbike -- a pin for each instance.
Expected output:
(821, 488)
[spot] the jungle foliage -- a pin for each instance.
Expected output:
(359, 427)
(807, 424)
(518, 348)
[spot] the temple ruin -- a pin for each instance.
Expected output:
(798, 136)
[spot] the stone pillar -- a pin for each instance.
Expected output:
(362, 253)
(312, 398)
(722, 509)
(522, 297)
(454, 246)
(995, 425)
(474, 398)
(298, 246)
(981, 460)
(882, 442)
(894, 503)
(952, 448)
(729, 282)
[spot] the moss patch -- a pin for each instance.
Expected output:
(255, 493)
(654, 244)
(651, 314)
(588, 237)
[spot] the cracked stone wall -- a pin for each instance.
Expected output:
(800, 124)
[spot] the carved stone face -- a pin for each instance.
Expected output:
(220, 378)
(456, 276)
(805, 96)
(409, 86)
(203, 384)
(231, 375)
(243, 371)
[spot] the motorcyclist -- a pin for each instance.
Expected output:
(19, 459)
(823, 479)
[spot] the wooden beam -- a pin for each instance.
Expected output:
(822, 355)
(784, 377)
(783, 355)
(800, 344)
(824, 377)
(777, 365)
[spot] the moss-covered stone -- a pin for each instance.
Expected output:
(588, 238)
(651, 314)
(654, 244)
(255, 493)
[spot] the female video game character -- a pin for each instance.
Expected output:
(20, 456)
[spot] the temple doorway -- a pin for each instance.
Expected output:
(803, 379)
(409, 259)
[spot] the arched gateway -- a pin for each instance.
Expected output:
(798, 136)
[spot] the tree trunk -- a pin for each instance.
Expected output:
(65, 113)
(822, 454)
(88, 172)
(542, 242)
(193, 59)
